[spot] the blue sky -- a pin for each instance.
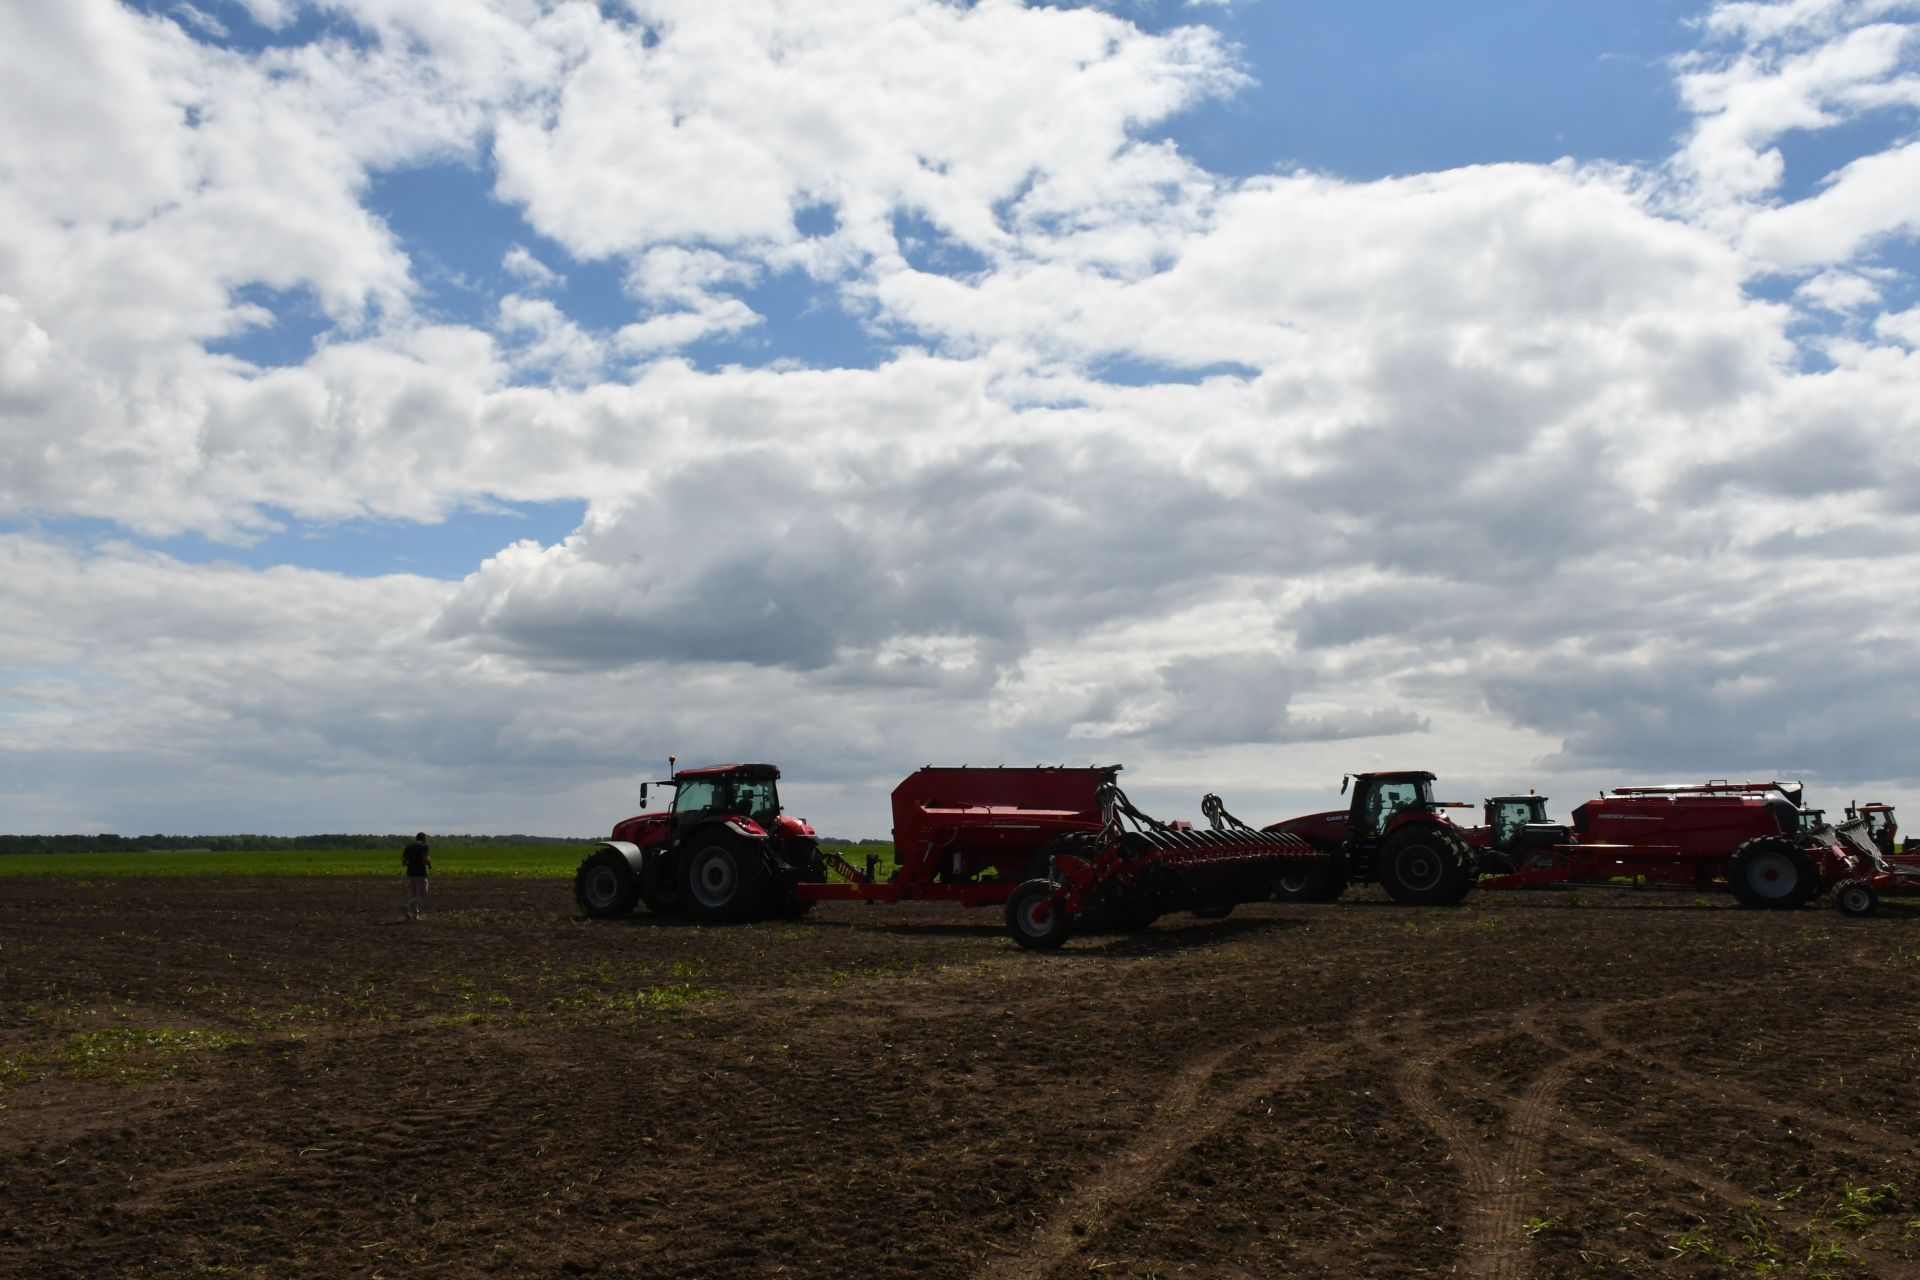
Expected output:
(920, 380)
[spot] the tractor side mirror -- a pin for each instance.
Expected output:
(643, 795)
(1345, 778)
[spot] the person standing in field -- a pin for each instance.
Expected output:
(418, 861)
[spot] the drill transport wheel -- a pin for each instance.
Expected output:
(1034, 919)
(1855, 898)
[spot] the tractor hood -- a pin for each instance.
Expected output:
(643, 828)
(1331, 825)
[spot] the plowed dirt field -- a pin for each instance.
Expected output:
(280, 1078)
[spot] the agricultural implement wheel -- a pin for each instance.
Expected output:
(723, 878)
(1315, 884)
(1034, 919)
(1771, 873)
(1855, 898)
(605, 887)
(1425, 866)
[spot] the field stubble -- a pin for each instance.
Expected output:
(277, 1077)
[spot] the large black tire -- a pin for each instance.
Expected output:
(1772, 873)
(1033, 919)
(1318, 882)
(723, 877)
(605, 887)
(1425, 865)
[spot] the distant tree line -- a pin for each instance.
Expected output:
(110, 843)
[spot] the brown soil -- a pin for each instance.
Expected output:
(280, 1078)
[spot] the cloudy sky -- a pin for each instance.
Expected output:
(435, 412)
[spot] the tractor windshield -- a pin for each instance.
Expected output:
(1879, 823)
(698, 796)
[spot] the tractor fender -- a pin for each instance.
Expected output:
(636, 856)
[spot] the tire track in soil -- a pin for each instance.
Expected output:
(1182, 1120)
(1491, 1240)
(1849, 1137)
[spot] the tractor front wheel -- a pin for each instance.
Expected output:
(1772, 873)
(605, 887)
(723, 878)
(1425, 865)
(1035, 920)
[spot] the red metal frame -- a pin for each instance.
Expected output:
(970, 835)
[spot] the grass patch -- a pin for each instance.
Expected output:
(529, 862)
(127, 1053)
(667, 998)
(672, 997)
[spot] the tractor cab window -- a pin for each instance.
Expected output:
(1388, 799)
(1509, 816)
(1879, 823)
(757, 800)
(697, 797)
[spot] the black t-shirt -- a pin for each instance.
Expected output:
(416, 858)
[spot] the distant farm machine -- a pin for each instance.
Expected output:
(1061, 847)
(1753, 839)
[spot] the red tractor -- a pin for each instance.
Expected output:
(1392, 831)
(723, 851)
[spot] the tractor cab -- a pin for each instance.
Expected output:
(1506, 815)
(1517, 827)
(742, 790)
(1380, 799)
(702, 795)
(1882, 827)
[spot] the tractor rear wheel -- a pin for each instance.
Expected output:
(1319, 883)
(1424, 865)
(1034, 919)
(1855, 898)
(1772, 873)
(723, 878)
(605, 887)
